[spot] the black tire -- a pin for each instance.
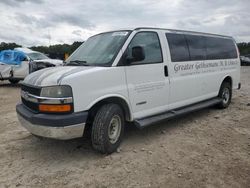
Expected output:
(13, 81)
(101, 128)
(225, 94)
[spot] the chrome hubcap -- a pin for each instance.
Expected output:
(226, 95)
(114, 129)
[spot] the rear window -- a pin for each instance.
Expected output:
(220, 48)
(195, 47)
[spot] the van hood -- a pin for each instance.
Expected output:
(53, 76)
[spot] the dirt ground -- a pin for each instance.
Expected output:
(209, 148)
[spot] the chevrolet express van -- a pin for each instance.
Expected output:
(143, 76)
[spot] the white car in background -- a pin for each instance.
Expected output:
(245, 60)
(16, 64)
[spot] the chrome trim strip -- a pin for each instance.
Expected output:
(45, 100)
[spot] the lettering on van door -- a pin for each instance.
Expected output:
(183, 69)
(149, 87)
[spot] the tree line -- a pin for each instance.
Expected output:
(59, 50)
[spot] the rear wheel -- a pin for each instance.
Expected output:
(107, 128)
(13, 81)
(225, 94)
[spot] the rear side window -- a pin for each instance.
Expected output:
(197, 48)
(220, 48)
(178, 47)
(151, 44)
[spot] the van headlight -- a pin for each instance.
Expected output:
(56, 91)
(56, 99)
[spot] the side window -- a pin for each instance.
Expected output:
(220, 48)
(229, 49)
(197, 47)
(213, 48)
(178, 47)
(151, 44)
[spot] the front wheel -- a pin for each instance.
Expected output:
(225, 94)
(107, 128)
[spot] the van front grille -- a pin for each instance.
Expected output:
(34, 91)
(31, 89)
(31, 105)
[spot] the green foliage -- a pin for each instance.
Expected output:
(57, 48)
(8, 46)
(244, 48)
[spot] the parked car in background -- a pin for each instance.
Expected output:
(245, 60)
(16, 64)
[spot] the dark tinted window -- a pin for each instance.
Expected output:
(151, 44)
(178, 47)
(197, 48)
(220, 48)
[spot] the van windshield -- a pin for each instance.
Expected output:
(99, 50)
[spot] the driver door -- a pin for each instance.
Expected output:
(147, 81)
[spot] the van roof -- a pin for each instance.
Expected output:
(183, 31)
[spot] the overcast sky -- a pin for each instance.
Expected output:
(44, 22)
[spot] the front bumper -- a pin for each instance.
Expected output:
(62, 126)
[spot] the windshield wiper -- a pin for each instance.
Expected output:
(78, 63)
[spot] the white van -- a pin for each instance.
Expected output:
(143, 76)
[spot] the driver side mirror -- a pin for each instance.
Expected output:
(138, 54)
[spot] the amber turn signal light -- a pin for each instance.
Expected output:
(54, 108)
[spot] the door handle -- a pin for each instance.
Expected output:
(166, 70)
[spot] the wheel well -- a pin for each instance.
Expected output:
(228, 79)
(116, 100)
